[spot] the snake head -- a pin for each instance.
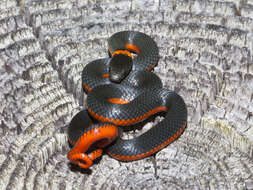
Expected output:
(120, 66)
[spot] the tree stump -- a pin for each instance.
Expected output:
(205, 56)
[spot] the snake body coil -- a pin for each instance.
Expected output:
(122, 92)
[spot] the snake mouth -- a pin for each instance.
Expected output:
(117, 78)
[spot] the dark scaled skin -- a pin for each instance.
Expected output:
(120, 66)
(120, 92)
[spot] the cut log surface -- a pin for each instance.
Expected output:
(206, 50)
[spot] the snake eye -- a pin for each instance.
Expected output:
(120, 67)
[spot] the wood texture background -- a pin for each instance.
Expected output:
(206, 56)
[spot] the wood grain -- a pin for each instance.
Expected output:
(206, 56)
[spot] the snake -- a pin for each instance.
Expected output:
(122, 91)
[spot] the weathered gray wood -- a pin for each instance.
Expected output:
(206, 56)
